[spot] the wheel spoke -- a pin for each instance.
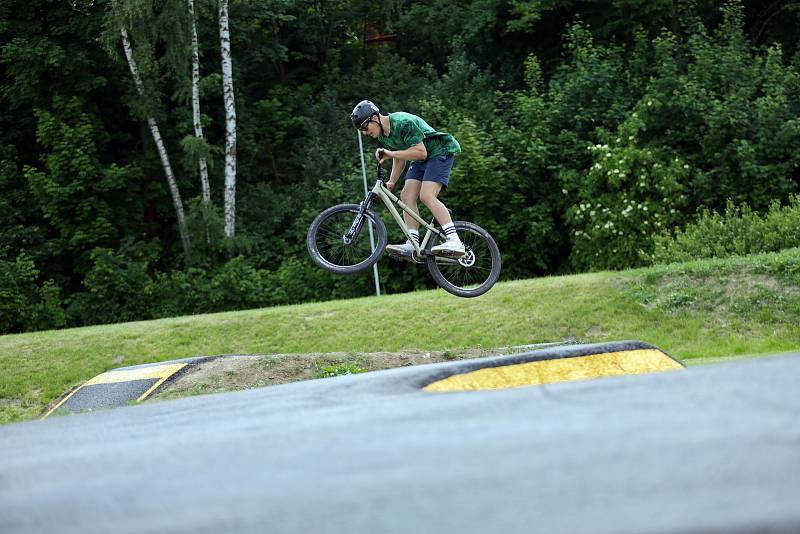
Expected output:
(470, 274)
(330, 245)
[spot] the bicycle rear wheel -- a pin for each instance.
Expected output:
(475, 272)
(332, 249)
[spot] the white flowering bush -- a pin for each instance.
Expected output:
(628, 194)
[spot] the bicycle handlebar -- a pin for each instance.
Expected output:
(381, 176)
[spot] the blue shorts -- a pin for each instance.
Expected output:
(435, 169)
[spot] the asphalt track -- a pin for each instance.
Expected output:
(553, 362)
(706, 449)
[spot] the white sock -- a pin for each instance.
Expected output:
(414, 235)
(449, 230)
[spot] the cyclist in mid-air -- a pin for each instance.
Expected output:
(405, 137)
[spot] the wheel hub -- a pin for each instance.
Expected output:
(468, 259)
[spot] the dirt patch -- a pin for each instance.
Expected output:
(10, 403)
(751, 283)
(231, 373)
(596, 332)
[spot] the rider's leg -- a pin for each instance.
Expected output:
(430, 197)
(409, 196)
(429, 194)
(437, 176)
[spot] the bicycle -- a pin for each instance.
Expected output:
(336, 244)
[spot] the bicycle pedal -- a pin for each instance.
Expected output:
(399, 257)
(449, 254)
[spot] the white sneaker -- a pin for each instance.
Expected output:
(452, 249)
(401, 252)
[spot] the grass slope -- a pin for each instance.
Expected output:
(703, 309)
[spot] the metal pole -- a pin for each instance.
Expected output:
(371, 235)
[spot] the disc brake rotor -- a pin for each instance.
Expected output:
(468, 259)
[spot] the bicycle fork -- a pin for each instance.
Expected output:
(358, 223)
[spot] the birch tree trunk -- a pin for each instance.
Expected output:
(162, 150)
(230, 121)
(198, 127)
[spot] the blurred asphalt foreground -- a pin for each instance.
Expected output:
(705, 449)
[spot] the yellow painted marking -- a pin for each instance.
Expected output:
(161, 372)
(161, 381)
(65, 399)
(142, 373)
(626, 362)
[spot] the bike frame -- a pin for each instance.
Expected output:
(390, 200)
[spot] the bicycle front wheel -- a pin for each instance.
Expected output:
(474, 273)
(333, 247)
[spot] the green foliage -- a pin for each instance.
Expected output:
(72, 190)
(160, 39)
(449, 355)
(299, 281)
(205, 226)
(117, 285)
(433, 32)
(738, 231)
(17, 232)
(329, 371)
(730, 111)
(709, 94)
(528, 13)
(26, 305)
(618, 18)
(240, 285)
(628, 194)
(591, 88)
(522, 216)
(123, 286)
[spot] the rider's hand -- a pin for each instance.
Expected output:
(382, 154)
(390, 185)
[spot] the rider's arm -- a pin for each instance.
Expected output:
(416, 152)
(398, 166)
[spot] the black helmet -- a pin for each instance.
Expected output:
(363, 111)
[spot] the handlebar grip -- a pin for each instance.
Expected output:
(381, 176)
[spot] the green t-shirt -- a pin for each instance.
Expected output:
(407, 130)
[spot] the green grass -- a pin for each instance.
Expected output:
(704, 309)
(328, 371)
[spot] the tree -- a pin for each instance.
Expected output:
(230, 121)
(162, 150)
(198, 126)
